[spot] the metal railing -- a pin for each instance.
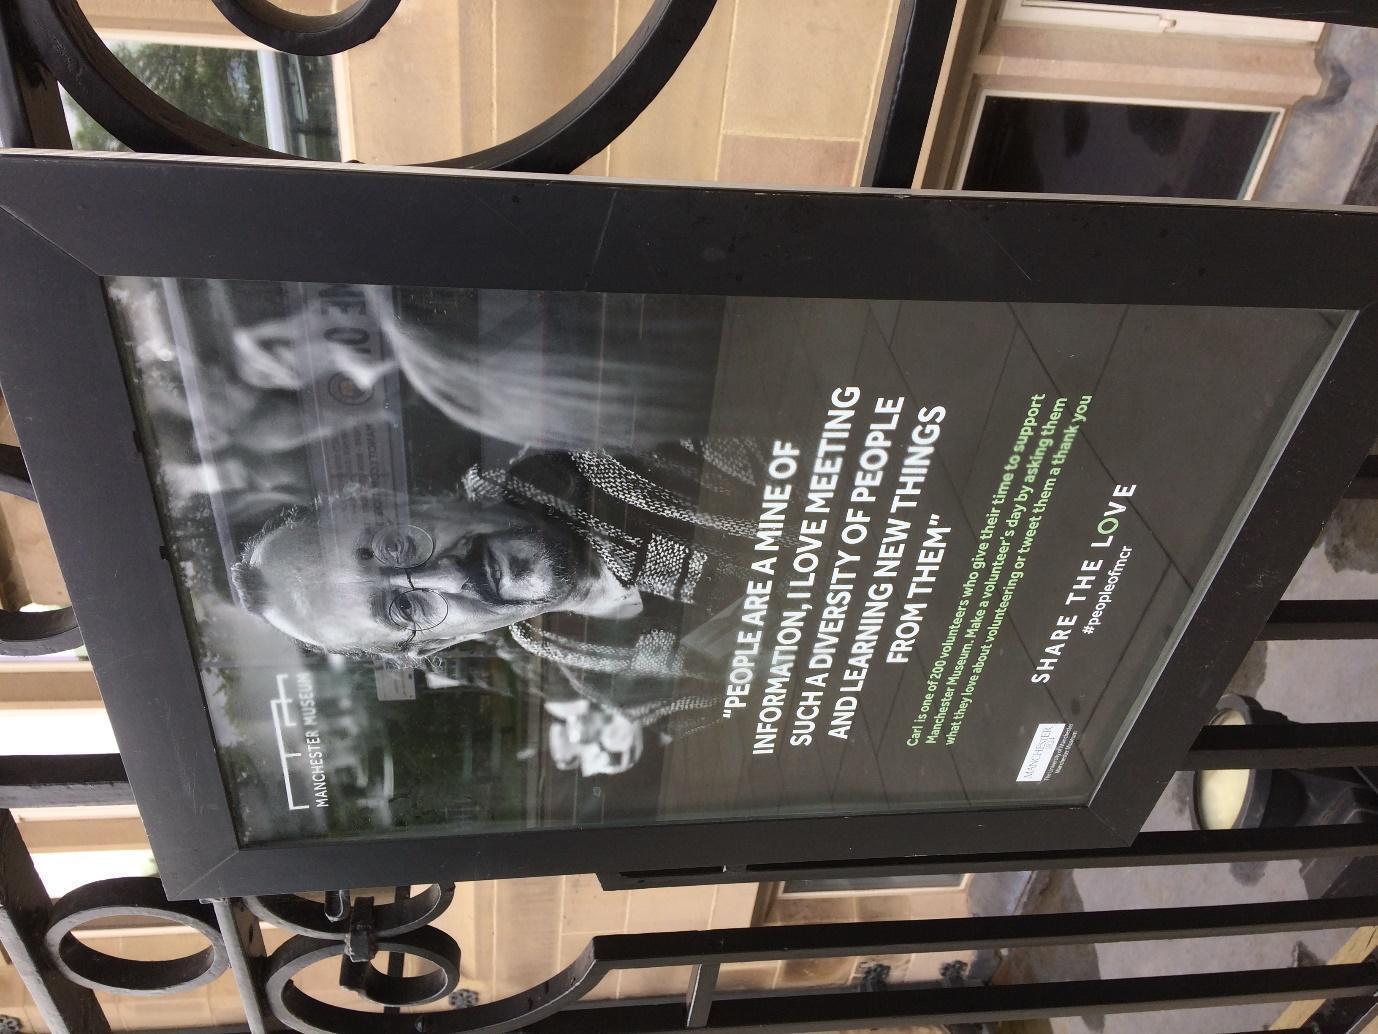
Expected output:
(43, 42)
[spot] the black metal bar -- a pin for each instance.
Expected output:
(1365, 483)
(24, 906)
(30, 107)
(724, 996)
(898, 1008)
(1354, 12)
(336, 905)
(908, 92)
(25, 634)
(63, 780)
(14, 473)
(925, 985)
(700, 998)
(1176, 847)
(293, 33)
(1322, 619)
(709, 950)
(1291, 745)
(397, 962)
(608, 105)
(898, 937)
(35, 633)
(244, 944)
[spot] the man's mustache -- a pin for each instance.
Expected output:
(556, 552)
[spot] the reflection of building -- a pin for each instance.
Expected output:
(772, 93)
(1208, 94)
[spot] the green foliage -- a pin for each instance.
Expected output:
(459, 758)
(217, 85)
(87, 136)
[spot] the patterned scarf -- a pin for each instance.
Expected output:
(661, 559)
(656, 562)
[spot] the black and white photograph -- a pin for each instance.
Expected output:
(487, 560)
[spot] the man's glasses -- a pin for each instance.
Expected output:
(404, 547)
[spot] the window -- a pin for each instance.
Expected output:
(1148, 19)
(281, 101)
(1073, 145)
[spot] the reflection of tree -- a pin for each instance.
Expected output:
(1161, 129)
(217, 85)
(456, 756)
(256, 790)
(462, 753)
(353, 737)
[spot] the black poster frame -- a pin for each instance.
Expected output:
(69, 220)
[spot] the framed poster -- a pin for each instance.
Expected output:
(434, 525)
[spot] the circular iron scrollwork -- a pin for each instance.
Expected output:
(143, 121)
(121, 898)
(304, 1013)
(308, 35)
(307, 918)
(307, 1015)
(37, 633)
(26, 633)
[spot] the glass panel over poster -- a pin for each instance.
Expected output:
(473, 561)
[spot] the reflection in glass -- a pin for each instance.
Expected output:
(487, 560)
(1066, 146)
(282, 101)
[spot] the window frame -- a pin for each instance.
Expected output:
(1133, 18)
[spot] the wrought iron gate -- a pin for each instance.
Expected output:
(50, 41)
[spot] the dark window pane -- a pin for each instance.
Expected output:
(1080, 147)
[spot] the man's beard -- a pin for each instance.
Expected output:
(559, 549)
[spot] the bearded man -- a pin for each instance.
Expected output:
(614, 568)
